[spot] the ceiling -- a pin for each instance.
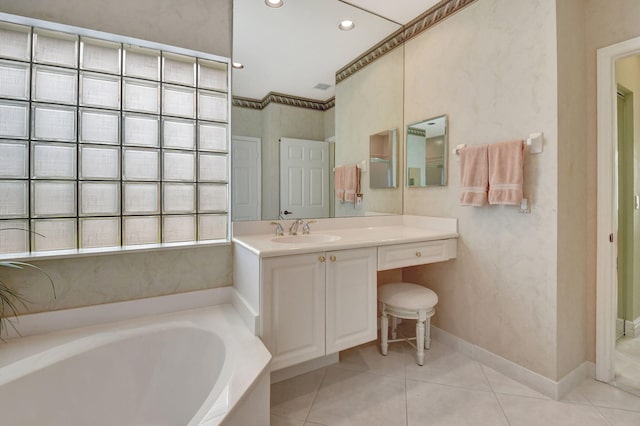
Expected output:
(291, 49)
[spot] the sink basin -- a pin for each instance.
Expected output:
(305, 239)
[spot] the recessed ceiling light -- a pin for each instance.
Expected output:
(237, 65)
(346, 25)
(274, 3)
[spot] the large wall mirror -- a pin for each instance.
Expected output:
(286, 89)
(426, 163)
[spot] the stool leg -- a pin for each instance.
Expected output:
(427, 333)
(394, 327)
(384, 332)
(420, 340)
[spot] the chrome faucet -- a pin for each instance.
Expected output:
(306, 228)
(279, 230)
(293, 230)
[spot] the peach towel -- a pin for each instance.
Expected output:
(338, 182)
(474, 176)
(506, 172)
(351, 182)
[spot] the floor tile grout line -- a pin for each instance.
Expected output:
(315, 396)
(602, 416)
(504, 413)
(451, 386)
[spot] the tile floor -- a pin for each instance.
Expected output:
(627, 362)
(365, 388)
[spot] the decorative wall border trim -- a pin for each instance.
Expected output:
(416, 132)
(421, 23)
(437, 13)
(385, 46)
(283, 99)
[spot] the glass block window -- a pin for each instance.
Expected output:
(108, 144)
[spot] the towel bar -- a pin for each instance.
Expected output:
(534, 142)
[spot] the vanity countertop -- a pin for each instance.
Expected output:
(347, 233)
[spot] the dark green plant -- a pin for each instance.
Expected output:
(10, 299)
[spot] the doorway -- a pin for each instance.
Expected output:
(617, 223)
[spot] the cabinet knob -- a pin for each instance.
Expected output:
(333, 258)
(322, 258)
(418, 254)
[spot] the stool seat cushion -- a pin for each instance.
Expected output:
(407, 296)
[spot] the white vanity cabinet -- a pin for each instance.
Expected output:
(317, 304)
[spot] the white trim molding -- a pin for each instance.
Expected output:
(546, 386)
(632, 328)
(606, 235)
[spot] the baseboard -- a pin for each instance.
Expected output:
(635, 327)
(551, 388)
(620, 327)
(305, 367)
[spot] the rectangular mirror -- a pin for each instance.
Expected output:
(383, 159)
(427, 152)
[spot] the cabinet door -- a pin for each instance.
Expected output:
(351, 298)
(293, 315)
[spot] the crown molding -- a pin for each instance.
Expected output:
(421, 23)
(385, 46)
(431, 17)
(416, 132)
(283, 99)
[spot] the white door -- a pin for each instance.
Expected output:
(351, 298)
(304, 178)
(292, 308)
(245, 175)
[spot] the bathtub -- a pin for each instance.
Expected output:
(193, 367)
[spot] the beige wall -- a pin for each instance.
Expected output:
(485, 300)
(572, 218)
(492, 68)
(193, 24)
(246, 122)
(93, 280)
(370, 102)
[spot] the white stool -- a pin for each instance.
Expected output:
(407, 301)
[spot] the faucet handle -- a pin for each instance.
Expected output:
(306, 228)
(279, 230)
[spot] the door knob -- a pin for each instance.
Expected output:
(322, 258)
(333, 258)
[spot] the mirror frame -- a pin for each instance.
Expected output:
(445, 155)
(391, 144)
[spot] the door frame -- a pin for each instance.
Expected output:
(606, 235)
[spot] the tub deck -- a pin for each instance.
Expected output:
(242, 374)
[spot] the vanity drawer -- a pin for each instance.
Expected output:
(401, 255)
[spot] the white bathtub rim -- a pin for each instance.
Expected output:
(246, 358)
(72, 318)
